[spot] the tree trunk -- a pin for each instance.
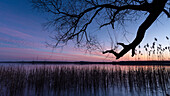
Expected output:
(139, 37)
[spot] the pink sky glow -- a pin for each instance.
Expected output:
(22, 37)
(32, 54)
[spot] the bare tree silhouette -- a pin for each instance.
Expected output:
(72, 18)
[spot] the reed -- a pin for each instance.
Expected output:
(82, 81)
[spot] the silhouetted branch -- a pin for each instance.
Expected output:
(112, 20)
(167, 13)
(140, 35)
(71, 18)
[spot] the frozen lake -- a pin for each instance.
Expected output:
(83, 80)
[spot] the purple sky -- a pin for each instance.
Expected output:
(22, 37)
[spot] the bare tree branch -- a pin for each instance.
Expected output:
(71, 18)
(167, 13)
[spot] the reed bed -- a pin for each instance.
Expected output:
(84, 81)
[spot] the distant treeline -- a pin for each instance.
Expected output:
(167, 63)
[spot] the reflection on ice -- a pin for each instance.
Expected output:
(84, 80)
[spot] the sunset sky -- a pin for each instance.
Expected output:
(22, 36)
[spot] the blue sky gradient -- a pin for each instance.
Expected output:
(22, 36)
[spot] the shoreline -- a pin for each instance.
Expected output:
(87, 62)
